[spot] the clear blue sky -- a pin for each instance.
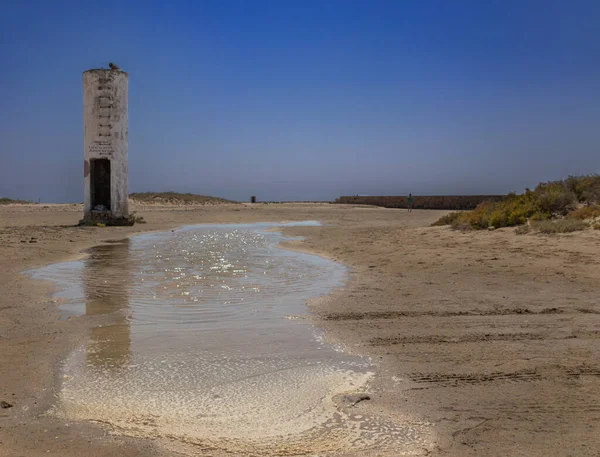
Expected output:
(294, 100)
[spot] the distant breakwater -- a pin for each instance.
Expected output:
(456, 202)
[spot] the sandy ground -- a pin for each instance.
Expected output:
(489, 336)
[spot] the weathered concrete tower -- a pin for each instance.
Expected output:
(105, 146)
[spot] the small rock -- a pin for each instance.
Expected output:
(353, 400)
(5, 405)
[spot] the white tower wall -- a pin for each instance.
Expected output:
(105, 137)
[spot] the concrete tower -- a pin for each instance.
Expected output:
(105, 146)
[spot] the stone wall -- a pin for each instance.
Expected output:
(457, 202)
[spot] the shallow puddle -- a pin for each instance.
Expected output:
(207, 345)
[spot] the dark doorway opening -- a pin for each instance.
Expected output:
(100, 184)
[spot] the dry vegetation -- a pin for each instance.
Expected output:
(585, 212)
(175, 198)
(559, 226)
(9, 201)
(552, 207)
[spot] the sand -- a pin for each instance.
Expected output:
(489, 337)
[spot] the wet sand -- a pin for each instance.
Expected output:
(490, 337)
(213, 344)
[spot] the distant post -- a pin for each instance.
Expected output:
(253, 199)
(105, 93)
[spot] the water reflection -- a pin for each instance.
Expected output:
(106, 278)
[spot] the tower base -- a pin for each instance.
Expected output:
(105, 218)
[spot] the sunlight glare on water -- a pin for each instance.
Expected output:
(200, 347)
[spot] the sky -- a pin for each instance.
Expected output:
(306, 100)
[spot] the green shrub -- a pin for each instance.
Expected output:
(547, 201)
(539, 216)
(479, 218)
(514, 210)
(559, 226)
(586, 188)
(554, 198)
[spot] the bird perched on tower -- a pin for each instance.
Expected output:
(113, 66)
